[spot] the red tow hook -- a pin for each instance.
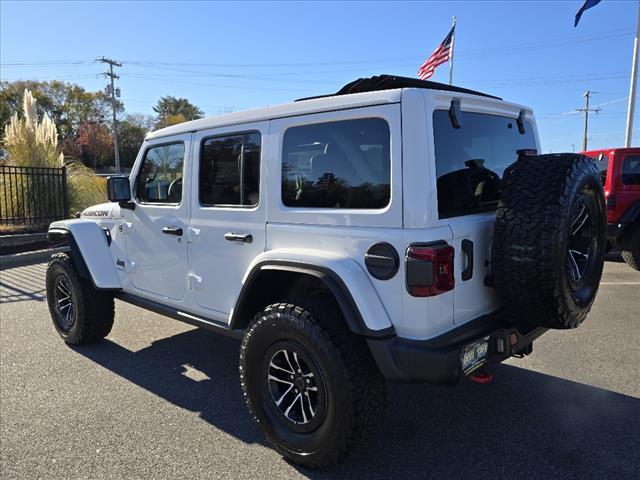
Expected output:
(483, 378)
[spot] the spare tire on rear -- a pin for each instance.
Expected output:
(549, 239)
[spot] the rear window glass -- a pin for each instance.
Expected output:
(471, 160)
(631, 170)
(230, 170)
(343, 164)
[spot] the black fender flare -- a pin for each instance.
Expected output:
(328, 277)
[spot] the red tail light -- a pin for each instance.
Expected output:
(430, 269)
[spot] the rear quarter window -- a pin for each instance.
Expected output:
(342, 164)
(470, 160)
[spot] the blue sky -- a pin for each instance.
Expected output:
(240, 55)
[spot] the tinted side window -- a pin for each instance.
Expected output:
(343, 164)
(631, 170)
(160, 176)
(471, 160)
(230, 170)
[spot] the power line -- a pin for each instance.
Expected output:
(244, 87)
(48, 63)
(57, 77)
(470, 54)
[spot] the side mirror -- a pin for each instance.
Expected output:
(119, 190)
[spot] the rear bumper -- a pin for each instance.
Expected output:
(438, 361)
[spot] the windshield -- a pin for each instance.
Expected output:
(471, 160)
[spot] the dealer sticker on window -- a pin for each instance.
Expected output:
(474, 355)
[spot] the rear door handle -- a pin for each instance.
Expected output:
(238, 237)
(467, 248)
(177, 231)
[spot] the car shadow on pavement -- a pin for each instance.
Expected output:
(614, 256)
(523, 424)
(22, 284)
(196, 370)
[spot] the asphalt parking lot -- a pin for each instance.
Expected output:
(160, 399)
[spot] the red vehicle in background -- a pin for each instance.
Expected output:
(620, 170)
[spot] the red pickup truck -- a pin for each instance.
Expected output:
(620, 170)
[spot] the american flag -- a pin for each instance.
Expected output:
(438, 57)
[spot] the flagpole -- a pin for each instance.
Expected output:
(453, 39)
(632, 89)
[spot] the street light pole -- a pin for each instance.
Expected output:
(632, 88)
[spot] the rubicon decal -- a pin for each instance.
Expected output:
(96, 213)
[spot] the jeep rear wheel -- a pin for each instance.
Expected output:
(80, 313)
(631, 249)
(549, 239)
(310, 384)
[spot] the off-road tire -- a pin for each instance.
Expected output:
(631, 249)
(542, 198)
(93, 310)
(355, 391)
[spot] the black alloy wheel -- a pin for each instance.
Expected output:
(297, 388)
(582, 243)
(65, 309)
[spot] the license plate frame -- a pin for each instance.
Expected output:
(474, 355)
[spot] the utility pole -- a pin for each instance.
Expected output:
(111, 90)
(632, 89)
(586, 111)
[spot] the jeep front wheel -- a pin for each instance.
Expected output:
(309, 382)
(80, 313)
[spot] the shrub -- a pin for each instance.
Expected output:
(34, 143)
(84, 187)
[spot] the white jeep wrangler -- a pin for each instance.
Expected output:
(397, 229)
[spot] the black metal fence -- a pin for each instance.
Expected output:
(32, 196)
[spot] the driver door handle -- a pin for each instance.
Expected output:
(177, 231)
(238, 237)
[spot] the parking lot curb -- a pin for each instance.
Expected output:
(28, 258)
(22, 239)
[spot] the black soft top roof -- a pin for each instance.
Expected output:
(389, 82)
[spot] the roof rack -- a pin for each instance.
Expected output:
(389, 82)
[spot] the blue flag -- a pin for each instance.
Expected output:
(585, 6)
